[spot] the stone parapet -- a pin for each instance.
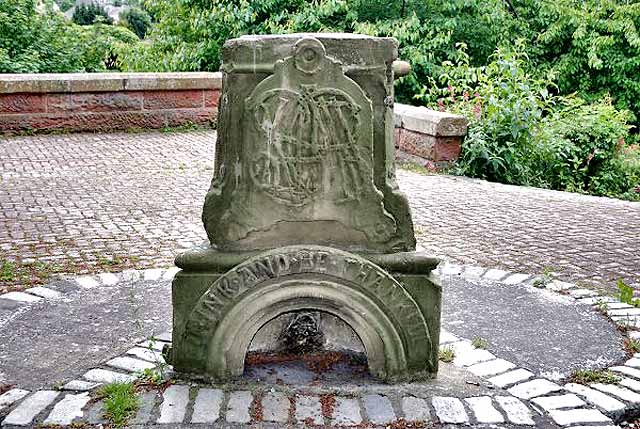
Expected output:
(429, 137)
(106, 101)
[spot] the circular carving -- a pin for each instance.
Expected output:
(309, 55)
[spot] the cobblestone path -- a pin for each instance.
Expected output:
(97, 201)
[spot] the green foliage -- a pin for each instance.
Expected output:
(136, 20)
(520, 133)
(88, 14)
(446, 354)
(120, 402)
(626, 294)
(588, 376)
(479, 343)
(32, 42)
(65, 5)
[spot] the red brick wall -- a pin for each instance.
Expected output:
(107, 111)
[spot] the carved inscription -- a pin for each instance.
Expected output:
(224, 292)
(310, 145)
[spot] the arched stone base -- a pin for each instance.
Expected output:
(397, 321)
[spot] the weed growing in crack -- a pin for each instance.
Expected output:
(154, 376)
(446, 354)
(545, 278)
(626, 294)
(587, 376)
(632, 346)
(479, 343)
(120, 402)
(602, 306)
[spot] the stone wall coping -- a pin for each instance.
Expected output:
(431, 122)
(107, 82)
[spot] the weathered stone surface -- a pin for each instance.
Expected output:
(415, 409)
(29, 408)
(483, 409)
(80, 385)
(576, 416)
(130, 364)
(449, 410)
(275, 407)
(174, 404)
(559, 401)
(11, 396)
(599, 399)
(514, 279)
(346, 412)
(87, 282)
(309, 409)
(379, 409)
(492, 367)
(44, 292)
(68, 409)
(620, 392)
(147, 354)
(430, 122)
(20, 297)
(206, 408)
(106, 376)
(147, 403)
(517, 412)
(238, 407)
(533, 388)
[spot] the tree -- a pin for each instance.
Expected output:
(88, 14)
(136, 20)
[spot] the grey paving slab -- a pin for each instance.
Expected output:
(30, 407)
(346, 411)
(379, 409)
(147, 405)
(416, 409)
(238, 407)
(174, 404)
(516, 411)
(206, 406)
(11, 396)
(67, 409)
(309, 409)
(275, 407)
(450, 410)
(483, 410)
(521, 322)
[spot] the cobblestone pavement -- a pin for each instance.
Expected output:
(96, 200)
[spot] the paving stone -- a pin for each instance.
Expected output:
(517, 412)
(415, 409)
(164, 336)
(20, 297)
(275, 407)
(130, 275)
(495, 274)
(578, 416)
(533, 388)
(593, 300)
(633, 362)
(473, 273)
(68, 409)
(309, 409)
(483, 410)
(206, 408)
(511, 377)
(153, 274)
(346, 411)
(44, 292)
(170, 273)
(472, 356)
(447, 337)
(451, 270)
(595, 397)
(12, 396)
(568, 400)
(108, 279)
(95, 414)
(30, 407)
(613, 304)
(633, 372)
(622, 312)
(379, 409)
(492, 367)
(147, 403)
(130, 364)
(634, 335)
(449, 410)
(147, 354)
(105, 376)
(620, 392)
(515, 279)
(630, 383)
(153, 345)
(582, 293)
(87, 282)
(174, 404)
(238, 407)
(557, 285)
(80, 385)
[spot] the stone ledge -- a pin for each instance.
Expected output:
(107, 82)
(430, 122)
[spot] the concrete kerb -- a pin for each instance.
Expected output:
(527, 395)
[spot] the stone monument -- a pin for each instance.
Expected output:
(304, 212)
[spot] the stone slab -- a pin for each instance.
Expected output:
(559, 401)
(105, 376)
(80, 385)
(147, 404)
(416, 409)
(11, 396)
(516, 411)
(491, 368)
(620, 392)
(346, 412)
(595, 397)
(67, 409)
(206, 407)
(517, 278)
(275, 407)
(147, 354)
(483, 409)
(238, 407)
(20, 297)
(309, 409)
(174, 404)
(30, 407)
(449, 410)
(533, 388)
(108, 279)
(379, 409)
(44, 292)
(511, 377)
(130, 364)
(578, 416)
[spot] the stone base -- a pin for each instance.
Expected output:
(222, 300)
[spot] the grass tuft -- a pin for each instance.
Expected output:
(587, 376)
(120, 402)
(446, 354)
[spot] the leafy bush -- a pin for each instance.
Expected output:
(136, 20)
(521, 134)
(32, 42)
(88, 14)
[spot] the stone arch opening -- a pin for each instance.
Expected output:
(215, 337)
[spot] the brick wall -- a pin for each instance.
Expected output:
(432, 139)
(107, 101)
